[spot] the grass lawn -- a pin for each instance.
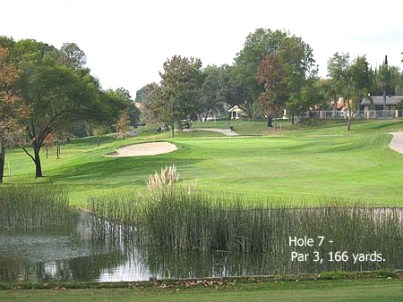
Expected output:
(297, 164)
(336, 290)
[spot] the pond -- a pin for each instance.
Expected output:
(72, 253)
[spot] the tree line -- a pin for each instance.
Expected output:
(273, 71)
(46, 93)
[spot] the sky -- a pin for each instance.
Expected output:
(127, 41)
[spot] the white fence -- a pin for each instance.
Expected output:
(359, 114)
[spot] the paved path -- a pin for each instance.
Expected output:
(397, 142)
(226, 132)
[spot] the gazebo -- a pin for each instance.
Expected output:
(235, 112)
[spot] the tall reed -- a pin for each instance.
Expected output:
(32, 206)
(163, 180)
(180, 220)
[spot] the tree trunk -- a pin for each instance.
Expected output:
(270, 121)
(172, 130)
(350, 120)
(205, 116)
(37, 161)
(57, 149)
(292, 118)
(384, 99)
(2, 160)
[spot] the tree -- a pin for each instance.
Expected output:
(133, 111)
(180, 84)
(256, 48)
(337, 67)
(296, 57)
(297, 61)
(300, 71)
(387, 80)
(358, 87)
(122, 125)
(351, 80)
(317, 92)
(73, 56)
(58, 94)
(100, 131)
(271, 74)
(12, 111)
(113, 103)
(141, 94)
(154, 105)
(212, 92)
(384, 79)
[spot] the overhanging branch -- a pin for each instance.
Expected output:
(29, 154)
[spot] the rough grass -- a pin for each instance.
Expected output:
(302, 164)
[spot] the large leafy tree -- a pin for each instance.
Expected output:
(180, 83)
(152, 98)
(58, 93)
(300, 71)
(338, 71)
(316, 92)
(12, 110)
(261, 47)
(358, 86)
(213, 90)
(351, 80)
(256, 48)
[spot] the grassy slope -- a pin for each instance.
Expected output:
(340, 290)
(296, 164)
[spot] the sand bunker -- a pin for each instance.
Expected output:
(144, 149)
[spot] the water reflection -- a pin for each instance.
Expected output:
(72, 254)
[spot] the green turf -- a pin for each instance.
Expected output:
(372, 290)
(295, 164)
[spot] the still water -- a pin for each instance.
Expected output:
(72, 254)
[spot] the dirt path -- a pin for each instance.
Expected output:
(397, 142)
(144, 149)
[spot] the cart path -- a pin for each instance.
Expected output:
(397, 142)
(227, 132)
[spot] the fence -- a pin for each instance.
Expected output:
(359, 114)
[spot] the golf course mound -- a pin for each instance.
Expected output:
(153, 148)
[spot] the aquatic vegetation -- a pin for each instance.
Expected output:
(32, 206)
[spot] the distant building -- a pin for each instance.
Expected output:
(235, 112)
(391, 102)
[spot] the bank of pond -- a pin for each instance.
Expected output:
(182, 234)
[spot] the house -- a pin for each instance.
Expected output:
(391, 102)
(235, 112)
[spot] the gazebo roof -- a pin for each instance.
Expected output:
(235, 109)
